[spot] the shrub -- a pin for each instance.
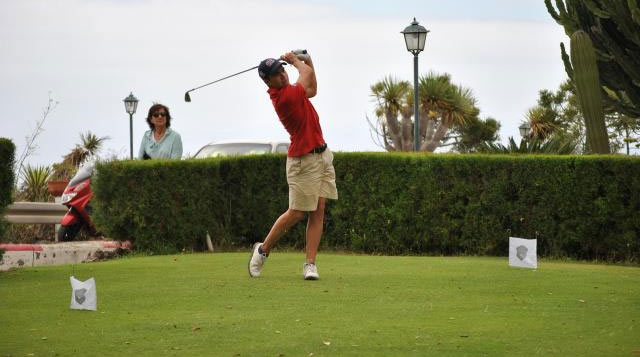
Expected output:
(63, 171)
(584, 207)
(34, 186)
(7, 160)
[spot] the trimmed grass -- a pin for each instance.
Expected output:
(206, 304)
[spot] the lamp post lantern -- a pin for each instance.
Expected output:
(415, 37)
(525, 130)
(130, 105)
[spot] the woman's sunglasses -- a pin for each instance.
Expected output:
(155, 115)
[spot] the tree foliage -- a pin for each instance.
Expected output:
(553, 145)
(445, 110)
(394, 110)
(557, 114)
(34, 184)
(90, 145)
(474, 134)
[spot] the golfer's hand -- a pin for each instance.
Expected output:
(303, 55)
(289, 57)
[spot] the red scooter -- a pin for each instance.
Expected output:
(76, 196)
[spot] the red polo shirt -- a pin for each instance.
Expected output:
(299, 117)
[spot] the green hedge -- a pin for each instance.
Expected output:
(7, 158)
(585, 207)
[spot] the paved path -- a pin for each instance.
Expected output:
(21, 255)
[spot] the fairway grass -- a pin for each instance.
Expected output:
(206, 305)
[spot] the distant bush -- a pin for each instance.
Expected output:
(7, 159)
(585, 207)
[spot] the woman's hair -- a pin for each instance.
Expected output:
(154, 108)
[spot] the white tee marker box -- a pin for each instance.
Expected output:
(523, 253)
(83, 294)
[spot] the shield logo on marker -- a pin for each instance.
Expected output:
(79, 295)
(521, 252)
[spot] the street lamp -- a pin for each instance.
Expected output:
(131, 104)
(415, 36)
(525, 130)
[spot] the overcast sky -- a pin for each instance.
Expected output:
(89, 54)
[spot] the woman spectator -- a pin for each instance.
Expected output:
(161, 142)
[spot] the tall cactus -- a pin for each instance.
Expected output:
(587, 82)
(614, 28)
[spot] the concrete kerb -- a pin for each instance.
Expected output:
(21, 255)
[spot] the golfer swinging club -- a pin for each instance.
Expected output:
(310, 173)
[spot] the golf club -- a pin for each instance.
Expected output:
(187, 97)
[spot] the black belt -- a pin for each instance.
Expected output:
(319, 150)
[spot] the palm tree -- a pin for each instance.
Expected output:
(542, 122)
(34, 183)
(390, 94)
(444, 105)
(90, 145)
(553, 145)
(406, 112)
(433, 93)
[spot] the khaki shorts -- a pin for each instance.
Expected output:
(311, 176)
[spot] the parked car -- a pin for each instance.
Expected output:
(241, 148)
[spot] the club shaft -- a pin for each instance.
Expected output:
(221, 79)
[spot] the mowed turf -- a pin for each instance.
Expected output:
(206, 304)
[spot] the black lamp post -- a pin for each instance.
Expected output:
(131, 104)
(525, 130)
(415, 37)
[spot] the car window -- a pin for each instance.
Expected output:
(215, 150)
(284, 148)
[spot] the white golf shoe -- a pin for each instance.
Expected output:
(310, 272)
(256, 262)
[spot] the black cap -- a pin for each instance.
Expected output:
(269, 67)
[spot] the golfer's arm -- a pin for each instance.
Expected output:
(307, 77)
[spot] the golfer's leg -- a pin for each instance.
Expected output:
(282, 225)
(314, 230)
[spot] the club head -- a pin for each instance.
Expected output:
(187, 97)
